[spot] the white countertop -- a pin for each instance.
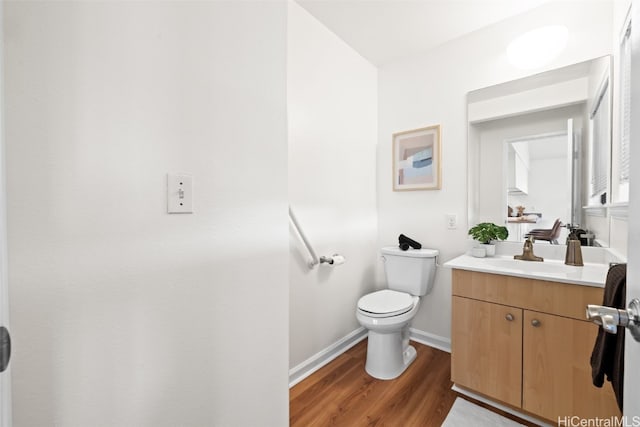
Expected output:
(591, 274)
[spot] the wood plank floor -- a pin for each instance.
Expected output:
(343, 394)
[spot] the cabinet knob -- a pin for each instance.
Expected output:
(535, 323)
(509, 317)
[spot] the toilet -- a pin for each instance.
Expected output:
(387, 314)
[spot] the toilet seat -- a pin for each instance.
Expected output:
(386, 303)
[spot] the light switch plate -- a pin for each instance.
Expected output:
(179, 193)
(452, 221)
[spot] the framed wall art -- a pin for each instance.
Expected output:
(416, 159)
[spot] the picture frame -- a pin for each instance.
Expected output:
(417, 160)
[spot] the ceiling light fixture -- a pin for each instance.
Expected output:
(538, 47)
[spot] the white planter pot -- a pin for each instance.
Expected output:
(478, 252)
(490, 249)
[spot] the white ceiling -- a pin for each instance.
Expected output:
(385, 30)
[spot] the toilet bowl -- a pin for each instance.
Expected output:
(387, 313)
(388, 349)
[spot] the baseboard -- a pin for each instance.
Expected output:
(432, 340)
(318, 360)
(504, 408)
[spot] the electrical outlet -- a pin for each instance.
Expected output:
(452, 221)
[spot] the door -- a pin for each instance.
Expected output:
(632, 347)
(5, 345)
(486, 348)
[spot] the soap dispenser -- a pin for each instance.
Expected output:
(574, 251)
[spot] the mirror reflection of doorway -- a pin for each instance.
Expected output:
(538, 183)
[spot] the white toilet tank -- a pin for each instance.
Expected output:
(410, 271)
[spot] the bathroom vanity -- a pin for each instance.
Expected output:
(519, 335)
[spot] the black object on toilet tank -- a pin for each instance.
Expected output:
(405, 242)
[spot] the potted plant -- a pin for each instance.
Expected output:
(487, 232)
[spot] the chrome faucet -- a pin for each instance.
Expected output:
(527, 251)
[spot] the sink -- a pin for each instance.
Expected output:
(590, 274)
(531, 266)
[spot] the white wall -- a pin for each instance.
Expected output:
(432, 89)
(619, 231)
(123, 314)
(549, 192)
(332, 104)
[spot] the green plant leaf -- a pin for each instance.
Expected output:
(485, 232)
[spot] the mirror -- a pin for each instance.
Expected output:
(539, 152)
(538, 183)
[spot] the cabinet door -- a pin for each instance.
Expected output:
(486, 349)
(557, 369)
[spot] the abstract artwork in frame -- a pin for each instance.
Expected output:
(416, 159)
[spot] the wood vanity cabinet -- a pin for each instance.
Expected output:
(524, 342)
(487, 349)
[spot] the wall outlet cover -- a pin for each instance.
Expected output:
(452, 221)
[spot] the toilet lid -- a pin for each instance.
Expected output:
(386, 303)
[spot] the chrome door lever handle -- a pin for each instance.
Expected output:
(610, 318)
(607, 317)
